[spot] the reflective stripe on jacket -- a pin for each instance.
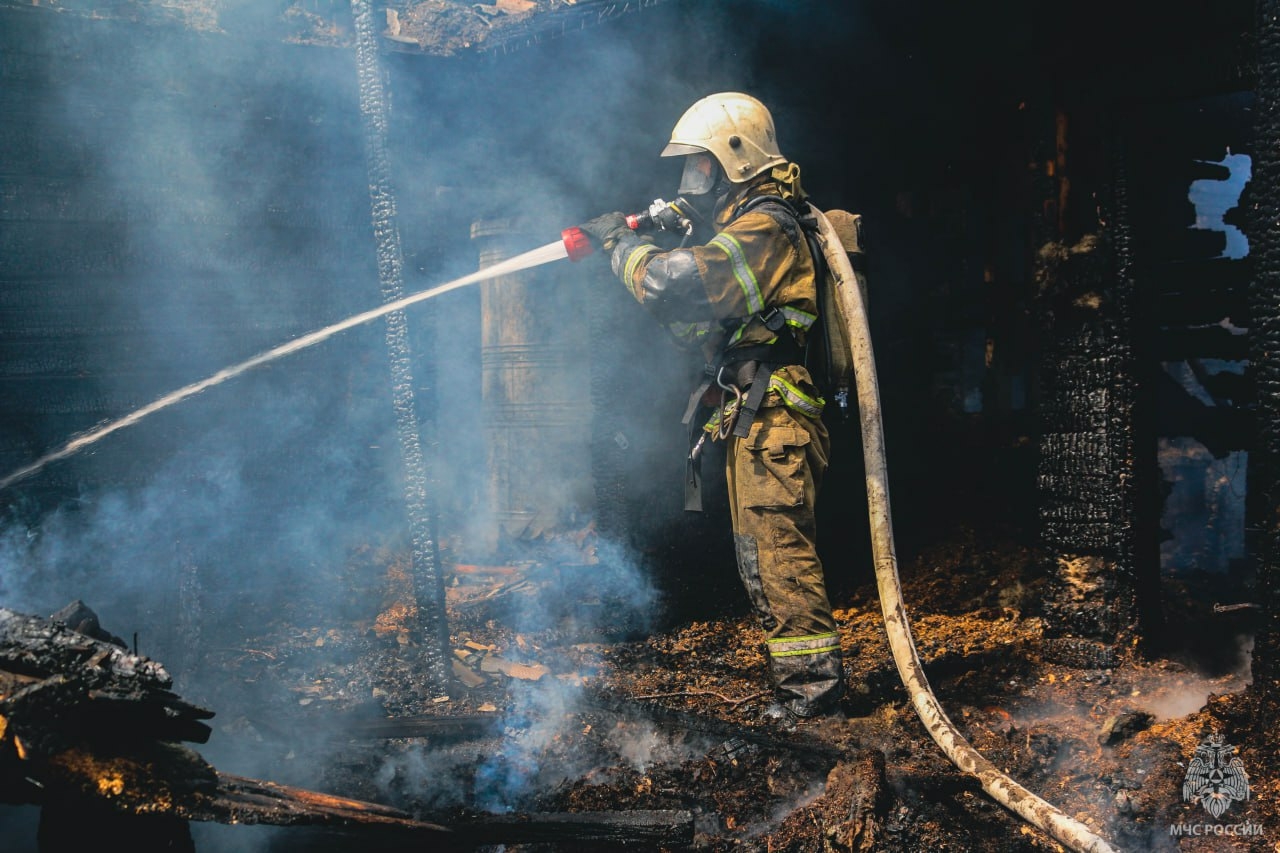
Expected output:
(757, 261)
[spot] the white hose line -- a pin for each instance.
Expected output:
(1004, 790)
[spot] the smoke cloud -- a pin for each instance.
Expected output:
(223, 180)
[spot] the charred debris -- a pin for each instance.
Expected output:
(416, 607)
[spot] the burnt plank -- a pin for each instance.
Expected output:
(240, 799)
(32, 645)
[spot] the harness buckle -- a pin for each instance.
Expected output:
(773, 319)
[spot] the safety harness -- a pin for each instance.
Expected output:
(752, 367)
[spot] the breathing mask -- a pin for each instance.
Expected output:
(702, 183)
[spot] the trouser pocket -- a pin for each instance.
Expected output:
(774, 474)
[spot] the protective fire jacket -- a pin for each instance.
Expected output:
(752, 284)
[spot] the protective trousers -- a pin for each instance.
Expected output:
(774, 474)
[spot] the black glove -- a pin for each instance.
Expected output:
(605, 230)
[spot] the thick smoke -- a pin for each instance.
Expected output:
(203, 183)
(227, 179)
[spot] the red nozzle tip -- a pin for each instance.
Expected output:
(577, 244)
(633, 221)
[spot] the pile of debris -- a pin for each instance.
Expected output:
(92, 734)
(657, 742)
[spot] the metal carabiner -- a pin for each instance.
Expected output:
(728, 411)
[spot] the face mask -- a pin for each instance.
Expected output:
(700, 173)
(703, 186)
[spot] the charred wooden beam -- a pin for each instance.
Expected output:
(83, 719)
(137, 779)
(238, 799)
(171, 780)
(418, 467)
(35, 645)
(460, 727)
(84, 724)
(1264, 462)
(364, 724)
(1086, 452)
(642, 829)
(159, 821)
(62, 689)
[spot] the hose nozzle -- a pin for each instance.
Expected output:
(576, 243)
(665, 216)
(662, 215)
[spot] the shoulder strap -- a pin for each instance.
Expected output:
(780, 210)
(803, 226)
(807, 222)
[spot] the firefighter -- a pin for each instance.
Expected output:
(748, 296)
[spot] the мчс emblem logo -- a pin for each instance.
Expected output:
(1215, 778)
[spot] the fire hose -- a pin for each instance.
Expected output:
(999, 786)
(1004, 790)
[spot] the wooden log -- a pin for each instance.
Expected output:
(150, 778)
(74, 821)
(91, 728)
(239, 799)
(644, 830)
(67, 709)
(62, 689)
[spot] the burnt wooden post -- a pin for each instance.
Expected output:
(1087, 438)
(420, 503)
(1264, 343)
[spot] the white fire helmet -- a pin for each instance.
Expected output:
(735, 128)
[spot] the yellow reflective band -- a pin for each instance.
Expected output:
(836, 647)
(796, 399)
(797, 318)
(741, 271)
(638, 254)
(830, 635)
(727, 411)
(817, 644)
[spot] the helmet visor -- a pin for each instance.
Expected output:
(699, 174)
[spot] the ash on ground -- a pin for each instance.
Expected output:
(589, 716)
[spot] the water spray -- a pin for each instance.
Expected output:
(573, 244)
(537, 257)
